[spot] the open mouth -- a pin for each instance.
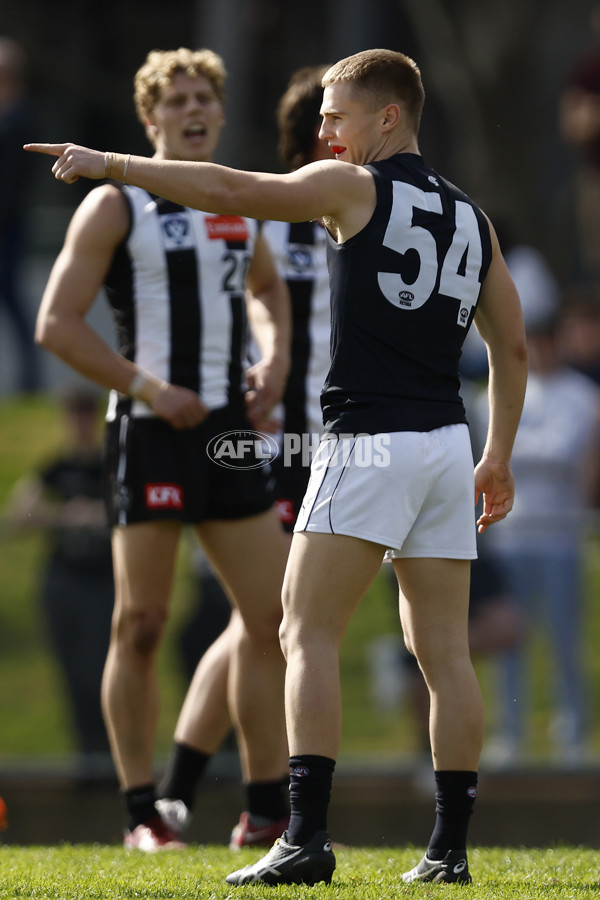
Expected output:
(336, 149)
(195, 131)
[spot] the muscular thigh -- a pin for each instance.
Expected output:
(434, 606)
(144, 561)
(326, 578)
(249, 556)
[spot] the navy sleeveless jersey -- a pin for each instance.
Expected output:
(404, 292)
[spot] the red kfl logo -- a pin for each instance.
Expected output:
(164, 496)
(226, 228)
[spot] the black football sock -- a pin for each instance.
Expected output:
(139, 803)
(310, 790)
(185, 768)
(267, 799)
(454, 799)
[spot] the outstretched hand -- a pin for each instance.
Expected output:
(73, 161)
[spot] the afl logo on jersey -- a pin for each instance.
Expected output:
(177, 230)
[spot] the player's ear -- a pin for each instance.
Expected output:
(151, 131)
(391, 116)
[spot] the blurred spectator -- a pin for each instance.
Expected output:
(538, 288)
(579, 120)
(580, 331)
(64, 499)
(16, 125)
(556, 464)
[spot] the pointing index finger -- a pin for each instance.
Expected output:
(48, 149)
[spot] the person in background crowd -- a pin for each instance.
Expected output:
(16, 121)
(580, 329)
(579, 122)
(556, 461)
(65, 500)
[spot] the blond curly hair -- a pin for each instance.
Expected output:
(160, 68)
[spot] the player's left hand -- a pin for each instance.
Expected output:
(73, 161)
(495, 481)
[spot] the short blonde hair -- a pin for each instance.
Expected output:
(160, 68)
(386, 75)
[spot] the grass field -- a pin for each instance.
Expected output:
(98, 872)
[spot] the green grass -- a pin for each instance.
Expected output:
(97, 872)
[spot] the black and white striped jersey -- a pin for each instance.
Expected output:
(300, 253)
(404, 292)
(176, 287)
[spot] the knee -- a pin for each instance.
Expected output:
(263, 629)
(141, 631)
(410, 647)
(285, 640)
(306, 638)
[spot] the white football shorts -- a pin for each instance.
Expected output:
(413, 492)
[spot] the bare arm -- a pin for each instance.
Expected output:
(98, 226)
(499, 320)
(30, 506)
(270, 318)
(339, 191)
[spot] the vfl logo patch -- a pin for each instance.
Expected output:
(226, 228)
(300, 260)
(164, 496)
(177, 230)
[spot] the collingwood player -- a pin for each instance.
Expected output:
(300, 254)
(176, 281)
(413, 261)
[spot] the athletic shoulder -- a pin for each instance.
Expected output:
(104, 210)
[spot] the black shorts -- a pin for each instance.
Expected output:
(157, 472)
